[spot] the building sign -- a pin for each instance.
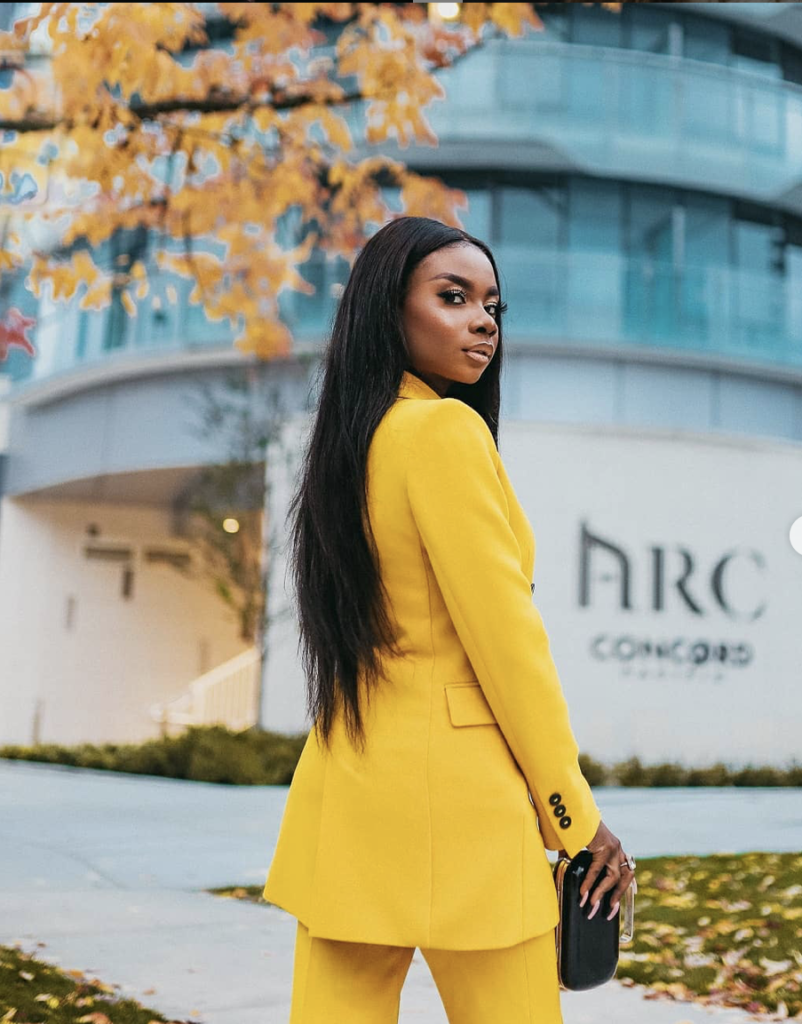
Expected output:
(670, 591)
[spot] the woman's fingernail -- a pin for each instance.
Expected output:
(584, 900)
(613, 912)
(596, 906)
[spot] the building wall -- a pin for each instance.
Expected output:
(565, 384)
(5, 421)
(706, 509)
(696, 499)
(75, 651)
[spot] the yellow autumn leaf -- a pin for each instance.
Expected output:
(200, 155)
(98, 296)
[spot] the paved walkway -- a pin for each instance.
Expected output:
(100, 872)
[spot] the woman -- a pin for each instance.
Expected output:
(442, 738)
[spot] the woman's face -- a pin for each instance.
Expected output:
(450, 307)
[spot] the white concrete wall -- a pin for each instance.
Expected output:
(283, 692)
(639, 489)
(5, 411)
(692, 496)
(94, 678)
(679, 492)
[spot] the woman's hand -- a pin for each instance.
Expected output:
(607, 852)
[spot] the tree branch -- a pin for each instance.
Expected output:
(211, 104)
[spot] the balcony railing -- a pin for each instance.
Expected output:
(227, 695)
(607, 300)
(615, 111)
(604, 300)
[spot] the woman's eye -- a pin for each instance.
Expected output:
(495, 307)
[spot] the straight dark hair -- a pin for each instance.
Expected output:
(340, 597)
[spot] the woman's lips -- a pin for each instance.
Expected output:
(480, 357)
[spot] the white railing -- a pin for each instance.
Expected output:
(226, 695)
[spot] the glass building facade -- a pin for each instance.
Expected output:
(637, 174)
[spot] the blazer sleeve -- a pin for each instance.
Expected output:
(461, 511)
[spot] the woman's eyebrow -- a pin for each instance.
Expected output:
(463, 281)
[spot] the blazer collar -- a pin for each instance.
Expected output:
(413, 387)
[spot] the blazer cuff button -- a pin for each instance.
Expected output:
(565, 822)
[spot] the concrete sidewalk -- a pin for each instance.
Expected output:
(104, 870)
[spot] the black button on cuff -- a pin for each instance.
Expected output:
(565, 822)
(555, 798)
(559, 810)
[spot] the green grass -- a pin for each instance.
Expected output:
(34, 992)
(722, 930)
(258, 757)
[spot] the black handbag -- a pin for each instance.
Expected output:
(587, 948)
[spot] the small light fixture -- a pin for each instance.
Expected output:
(795, 535)
(231, 525)
(445, 12)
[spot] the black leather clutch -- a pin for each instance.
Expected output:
(587, 948)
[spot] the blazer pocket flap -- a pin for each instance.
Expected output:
(467, 705)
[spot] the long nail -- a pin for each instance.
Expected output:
(596, 906)
(613, 912)
(584, 899)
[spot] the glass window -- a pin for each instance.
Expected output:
(125, 247)
(707, 229)
(646, 29)
(478, 217)
(595, 219)
(793, 292)
(597, 26)
(556, 22)
(751, 52)
(650, 231)
(791, 60)
(650, 277)
(532, 216)
(706, 39)
(758, 246)
(116, 324)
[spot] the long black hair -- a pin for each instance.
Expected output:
(340, 597)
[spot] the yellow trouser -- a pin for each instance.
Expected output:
(338, 982)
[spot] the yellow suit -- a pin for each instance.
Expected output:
(430, 838)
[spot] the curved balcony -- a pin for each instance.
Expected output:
(605, 299)
(77, 346)
(535, 104)
(593, 299)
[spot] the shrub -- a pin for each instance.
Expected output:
(717, 774)
(258, 757)
(594, 771)
(201, 753)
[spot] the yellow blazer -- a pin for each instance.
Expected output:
(430, 838)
